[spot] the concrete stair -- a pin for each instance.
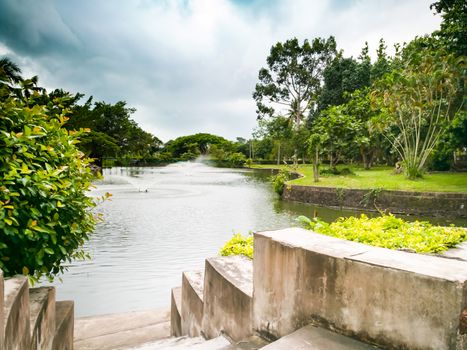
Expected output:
(64, 325)
(31, 319)
(121, 331)
(315, 338)
(228, 297)
(176, 312)
(16, 314)
(181, 343)
(42, 317)
(192, 302)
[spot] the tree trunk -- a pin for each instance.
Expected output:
(279, 154)
(365, 160)
(315, 166)
(295, 158)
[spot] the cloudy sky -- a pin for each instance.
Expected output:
(187, 65)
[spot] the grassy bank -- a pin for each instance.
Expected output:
(380, 177)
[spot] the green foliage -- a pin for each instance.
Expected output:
(380, 177)
(387, 231)
(337, 171)
(45, 213)
(113, 132)
(370, 197)
(239, 245)
(419, 100)
(453, 27)
(279, 181)
(194, 144)
(292, 81)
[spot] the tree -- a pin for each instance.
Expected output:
(290, 84)
(366, 118)
(45, 212)
(453, 31)
(113, 132)
(419, 101)
(339, 132)
(10, 73)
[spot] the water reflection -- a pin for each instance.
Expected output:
(162, 221)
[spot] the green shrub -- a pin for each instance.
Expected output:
(279, 181)
(239, 245)
(387, 231)
(336, 171)
(45, 213)
(236, 160)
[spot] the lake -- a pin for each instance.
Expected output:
(161, 221)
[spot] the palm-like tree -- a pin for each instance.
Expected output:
(10, 73)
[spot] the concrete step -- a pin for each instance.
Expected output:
(176, 312)
(64, 323)
(315, 338)
(252, 343)
(2, 311)
(42, 317)
(228, 292)
(16, 316)
(192, 302)
(182, 343)
(121, 331)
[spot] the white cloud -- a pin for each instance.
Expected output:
(191, 66)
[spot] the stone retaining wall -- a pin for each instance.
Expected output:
(393, 299)
(397, 202)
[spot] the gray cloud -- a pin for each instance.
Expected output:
(190, 65)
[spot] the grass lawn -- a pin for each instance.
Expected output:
(380, 177)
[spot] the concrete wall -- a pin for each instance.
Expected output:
(29, 319)
(228, 297)
(419, 203)
(389, 298)
(42, 317)
(64, 320)
(192, 303)
(175, 312)
(17, 330)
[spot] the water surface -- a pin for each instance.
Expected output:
(162, 221)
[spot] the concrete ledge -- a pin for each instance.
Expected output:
(42, 317)
(390, 298)
(121, 330)
(2, 311)
(17, 333)
(64, 323)
(406, 202)
(192, 302)
(315, 338)
(228, 297)
(176, 312)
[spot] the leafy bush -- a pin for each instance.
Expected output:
(335, 171)
(386, 231)
(390, 232)
(239, 245)
(279, 181)
(236, 160)
(45, 214)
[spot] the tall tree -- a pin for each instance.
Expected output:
(290, 84)
(453, 31)
(419, 100)
(10, 73)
